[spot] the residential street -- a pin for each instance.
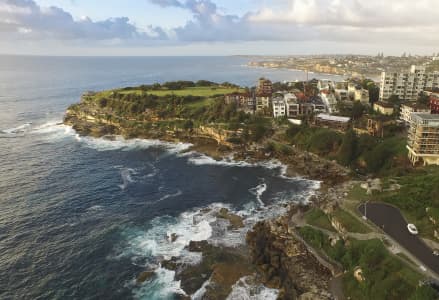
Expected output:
(390, 220)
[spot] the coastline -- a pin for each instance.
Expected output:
(263, 265)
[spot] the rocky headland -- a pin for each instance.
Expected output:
(273, 254)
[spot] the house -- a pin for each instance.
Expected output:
(263, 102)
(383, 108)
(329, 101)
(376, 125)
(292, 105)
(361, 95)
(334, 122)
(423, 138)
(342, 94)
(243, 101)
(279, 107)
(325, 84)
(318, 105)
(408, 108)
(306, 108)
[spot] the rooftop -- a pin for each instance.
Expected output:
(425, 116)
(384, 104)
(327, 117)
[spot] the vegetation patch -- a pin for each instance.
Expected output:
(350, 222)
(386, 276)
(317, 217)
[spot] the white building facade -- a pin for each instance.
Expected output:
(407, 85)
(279, 107)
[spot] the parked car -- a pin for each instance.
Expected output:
(412, 229)
(436, 252)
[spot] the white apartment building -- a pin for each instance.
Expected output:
(407, 109)
(330, 101)
(423, 139)
(279, 107)
(407, 85)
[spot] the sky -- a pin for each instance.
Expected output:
(218, 27)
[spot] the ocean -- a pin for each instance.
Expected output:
(81, 218)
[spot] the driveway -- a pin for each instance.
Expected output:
(390, 220)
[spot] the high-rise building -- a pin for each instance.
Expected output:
(423, 139)
(407, 85)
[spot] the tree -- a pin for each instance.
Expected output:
(188, 125)
(394, 99)
(423, 99)
(357, 110)
(348, 149)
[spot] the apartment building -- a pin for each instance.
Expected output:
(279, 107)
(409, 108)
(407, 85)
(423, 139)
(265, 87)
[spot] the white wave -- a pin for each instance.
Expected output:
(245, 289)
(57, 130)
(167, 196)
(189, 226)
(16, 130)
(201, 159)
(126, 177)
(95, 208)
(198, 295)
(163, 286)
(258, 191)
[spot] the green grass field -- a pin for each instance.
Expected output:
(350, 222)
(191, 91)
(317, 217)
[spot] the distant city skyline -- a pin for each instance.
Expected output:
(218, 27)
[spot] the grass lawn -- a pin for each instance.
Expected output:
(191, 91)
(350, 222)
(317, 217)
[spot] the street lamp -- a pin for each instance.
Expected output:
(365, 211)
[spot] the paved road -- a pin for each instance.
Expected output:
(393, 223)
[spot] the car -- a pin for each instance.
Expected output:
(436, 252)
(412, 229)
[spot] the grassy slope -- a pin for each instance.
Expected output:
(191, 91)
(350, 222)
(386, 276)
(318, 218)
(419, 190)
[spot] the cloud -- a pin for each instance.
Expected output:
(371, 21)
(25, 19)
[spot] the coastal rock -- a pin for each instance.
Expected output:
(284, 262)
(144, 276)
(197, 246)
(236, 221)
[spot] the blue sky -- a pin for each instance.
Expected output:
(218, 27)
